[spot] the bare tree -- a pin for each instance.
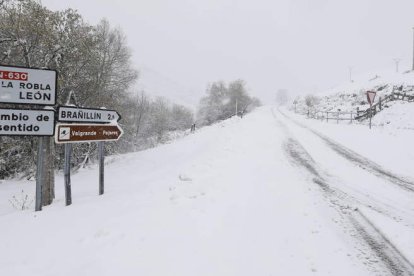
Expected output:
(141, 110)
(181, 118)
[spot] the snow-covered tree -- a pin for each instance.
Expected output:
(93, 63)
(94, 70)
(223, 101)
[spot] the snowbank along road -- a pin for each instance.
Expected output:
(262, 195)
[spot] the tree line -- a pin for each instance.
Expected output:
(95, 70)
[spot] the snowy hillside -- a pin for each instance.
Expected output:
(368, 81)
(351, 97)
(400, 115)
(269, 194)
(156, 84)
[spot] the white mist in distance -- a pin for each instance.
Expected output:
(303, 46)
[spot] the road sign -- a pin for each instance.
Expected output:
(22, 85)
(77, 133)
(87, 115)
(21, 122)
(371, 97)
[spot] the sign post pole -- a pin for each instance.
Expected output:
(39, 175)
(101, 153)
(370, 116)
(68, 189)
(370, 97)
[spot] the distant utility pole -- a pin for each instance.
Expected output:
(350, 74)
(397, 62)
(413, 49)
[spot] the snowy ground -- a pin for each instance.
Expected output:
(269, 194)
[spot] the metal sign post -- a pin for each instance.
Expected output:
(101, 155)
(68, 189)
(39, 174)
(370, 118)
(370, 97)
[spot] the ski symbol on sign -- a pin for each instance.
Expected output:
(64, 133)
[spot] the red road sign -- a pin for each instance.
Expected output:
(371, 97)
(78, 133)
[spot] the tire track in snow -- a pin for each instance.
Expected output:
(384, 208)
(360, 160)
(299, 156)
(395, 261)
(379, 244)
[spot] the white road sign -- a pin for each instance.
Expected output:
(21, 122)
(27, 85)
(87, 115)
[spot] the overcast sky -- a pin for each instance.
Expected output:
(300, 45)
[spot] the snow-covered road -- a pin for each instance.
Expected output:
(260, 195)
(359, 188)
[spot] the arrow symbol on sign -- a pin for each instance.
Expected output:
(114, 116)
